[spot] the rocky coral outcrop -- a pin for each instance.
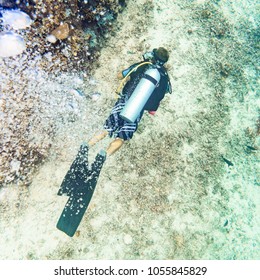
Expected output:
(78, 29)
(84, 24)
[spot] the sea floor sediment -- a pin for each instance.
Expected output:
(186, 186)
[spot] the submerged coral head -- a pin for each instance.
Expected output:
(16, 19)
(61, 32)
(11, 44)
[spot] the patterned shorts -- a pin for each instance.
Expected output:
(117, 127)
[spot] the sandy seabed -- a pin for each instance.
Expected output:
(168, 193)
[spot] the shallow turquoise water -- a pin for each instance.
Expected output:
(168, 194)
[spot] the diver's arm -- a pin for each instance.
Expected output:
(124, 73)
(120, 76)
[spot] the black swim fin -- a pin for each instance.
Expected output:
(79, 199)
(78, 173)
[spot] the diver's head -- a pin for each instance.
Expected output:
(158, 56)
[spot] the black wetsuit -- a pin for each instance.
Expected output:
(118, 127)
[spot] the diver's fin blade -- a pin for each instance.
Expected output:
(96, 167)
(77, 174)
(79, 200)
(73, 212)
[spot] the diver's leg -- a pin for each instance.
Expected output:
(114, 146)
(97, 138)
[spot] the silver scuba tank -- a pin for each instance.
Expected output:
(140, 95)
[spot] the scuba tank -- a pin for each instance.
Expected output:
(140, 95)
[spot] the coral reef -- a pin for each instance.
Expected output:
(64, 36)
(82, 18)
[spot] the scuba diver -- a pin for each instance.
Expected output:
(146, 84)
